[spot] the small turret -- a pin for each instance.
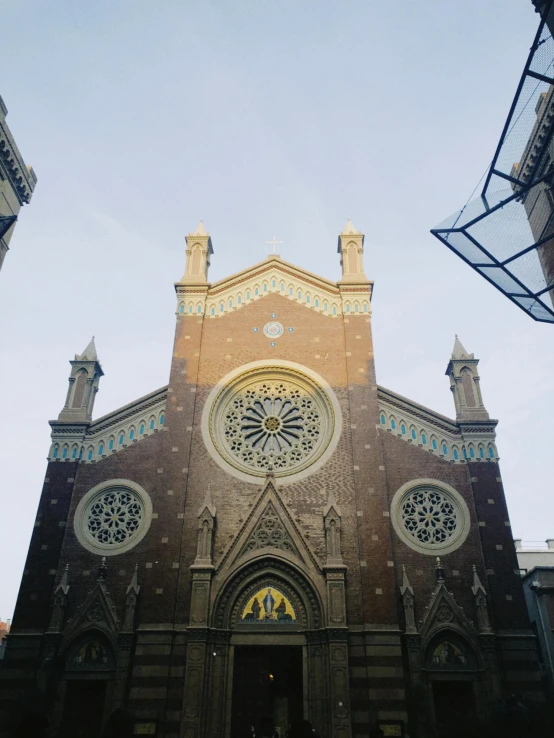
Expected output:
(464, 383)
(83, 386)
(351, 250)
(199, 250)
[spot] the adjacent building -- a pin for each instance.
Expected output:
(537, 570)
(273, 534)
(17, 182)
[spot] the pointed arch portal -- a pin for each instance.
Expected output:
(266, 654)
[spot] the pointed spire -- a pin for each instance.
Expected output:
(134, 585)
(477, 586)
(63, 586)
(208, 503)
(102, 570)
(439, 570)
(406, 586)
(459, 352)
(89, 354)
(331, 502)
(200, 230)
(349, 229)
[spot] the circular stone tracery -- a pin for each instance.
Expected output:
(113, 517)
(271, 418)
(430, 516)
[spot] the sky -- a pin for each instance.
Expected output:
(262, 118)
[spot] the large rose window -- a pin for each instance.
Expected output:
(270, 419)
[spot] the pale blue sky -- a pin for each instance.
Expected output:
(263, 118)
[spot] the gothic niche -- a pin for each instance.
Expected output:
(449, 653)
(91, 653)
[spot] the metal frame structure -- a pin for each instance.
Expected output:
(493, 233)
(6, 222)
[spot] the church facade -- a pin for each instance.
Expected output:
(272, 535)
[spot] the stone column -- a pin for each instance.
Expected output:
(339, 680)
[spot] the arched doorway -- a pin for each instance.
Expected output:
(265, 656)
(452, 668)
(268, 653)
(85, 687)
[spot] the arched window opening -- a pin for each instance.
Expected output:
(393, 424)
(273, 284)
(248, 294)
(256, 292)
(347, 307)
(471, 452)
(334, 310)
(212, 311)
(64, 452)
(121, 438)
(365, 307)
(230, 303)
(132, 434)
(74, 452)
(423, 439)
(265, 286)
(299, 295)
(239, 299)
(465, 452)
(110, 445)
(356, 308)
(199, 309)
(403, 429)
(190, 309)
(434, 444)
(79, 392)
(282, 287)
(89, 455)
(162, 419)
(221, 307)
(444, 449)
(152, 423)
(383, 419)
(182, 308)
(100, 449)
(491, 452)
(456, 454)
(141, 429)
(325, 307)
(55, 452)
(290, 291)
(413, 434)
(481, 452)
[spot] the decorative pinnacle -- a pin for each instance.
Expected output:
(103, 569)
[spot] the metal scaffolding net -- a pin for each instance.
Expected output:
(507, 233)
